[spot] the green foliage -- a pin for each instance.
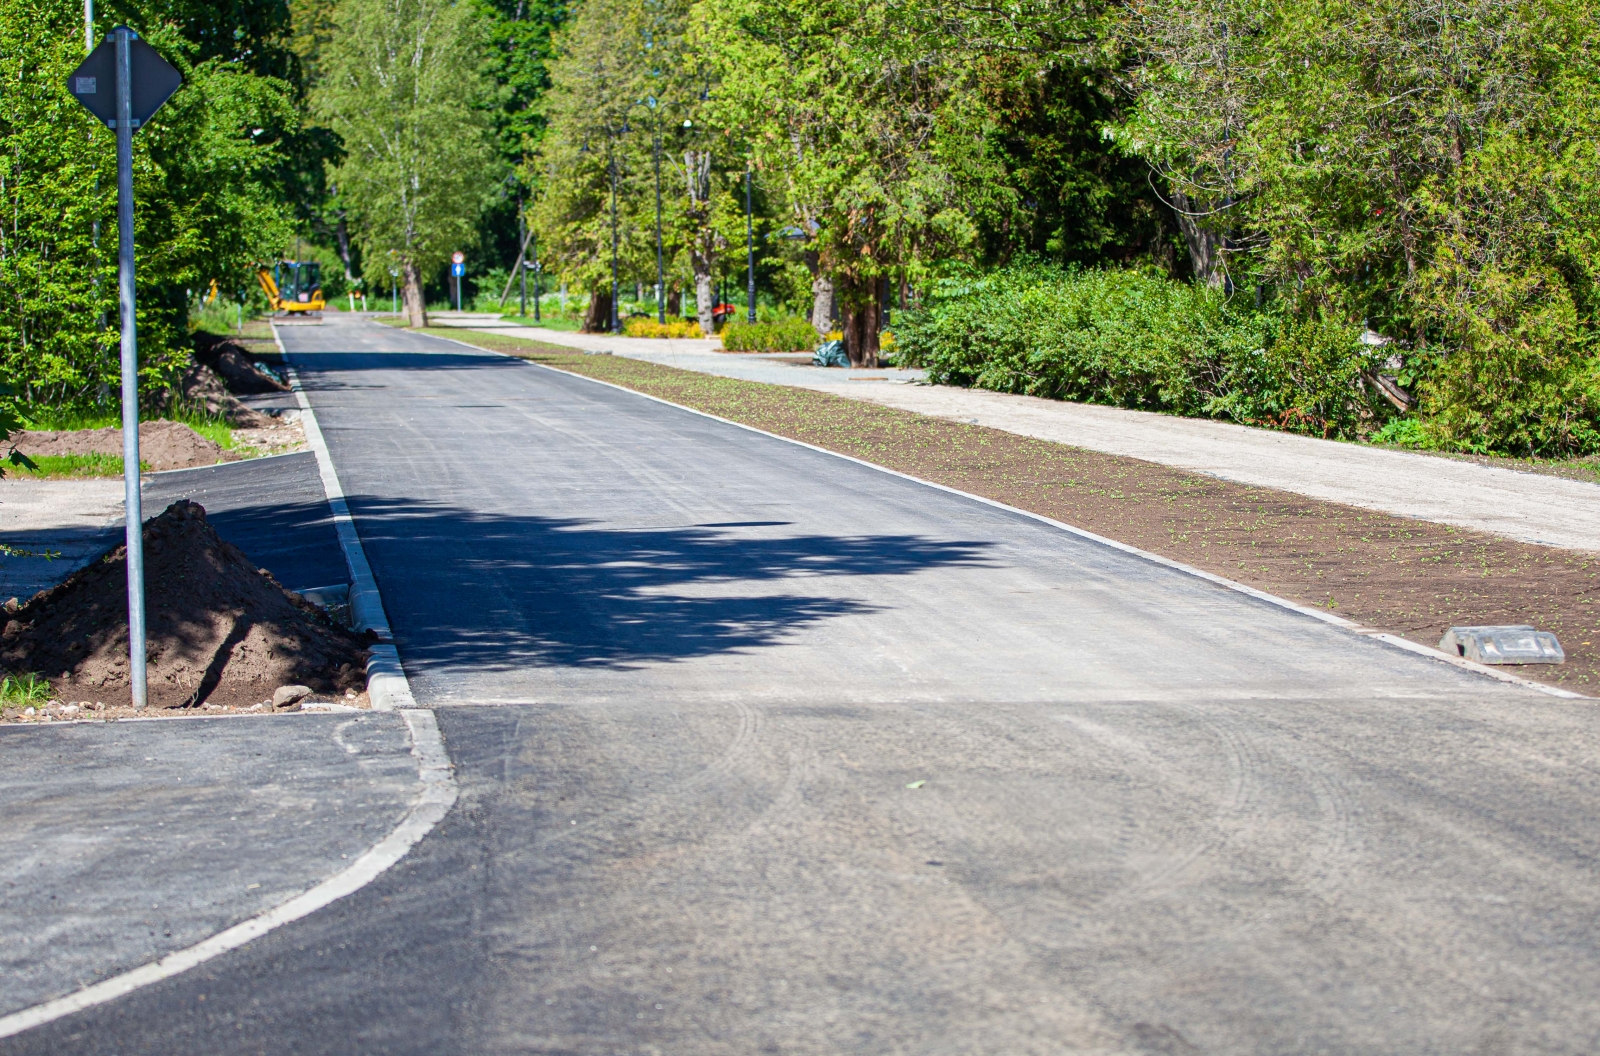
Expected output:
(401, 85)
(787, 335)
(1402, 432)
(78, 466)
(1073, 201)
(1137, 339)
(25, 690)
(1430, 169)
(204, 190)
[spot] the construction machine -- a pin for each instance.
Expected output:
(293, 287)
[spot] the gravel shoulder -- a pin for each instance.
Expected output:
(1406, 576)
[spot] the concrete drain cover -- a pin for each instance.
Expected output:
(1503, 645)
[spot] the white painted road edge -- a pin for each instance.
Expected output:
(1260, 595)
(387, 686)
(437, 796)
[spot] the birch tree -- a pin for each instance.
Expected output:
(401, 87)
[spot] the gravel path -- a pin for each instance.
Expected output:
(1525, 506)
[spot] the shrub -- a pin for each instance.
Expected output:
(1522, 375)
(787, 335)
(1137, 339)
(646, 327)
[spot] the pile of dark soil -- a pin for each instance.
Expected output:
(202, 389)
(162, 445)
(221, 373)
(230, 361)
(220, 631)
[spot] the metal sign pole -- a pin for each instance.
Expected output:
(133, 512)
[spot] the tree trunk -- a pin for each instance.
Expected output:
(858, 305)
(821, 295)
(1205, 245)
(342, 233)
(674, 300)
(416, 306)
(703, 243)
(704, 299)
(597, 320)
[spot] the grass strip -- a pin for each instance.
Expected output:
(1407, 577)
(52, 467)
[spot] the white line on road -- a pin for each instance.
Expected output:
(436, 797)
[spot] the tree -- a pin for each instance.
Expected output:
(868, 120)
(627, 84)
(401, 84)
(1425, 167)
(208, 203)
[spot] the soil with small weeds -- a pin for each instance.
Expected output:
(220, 631)
(1408, 577)
(162, 445)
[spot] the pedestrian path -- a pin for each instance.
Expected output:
(1537, 509)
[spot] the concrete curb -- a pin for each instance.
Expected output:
(387, 686)
(1260, 595)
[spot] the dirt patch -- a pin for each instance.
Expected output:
(276, 436)
(1412, 578)
(162, 445)
(220, 630)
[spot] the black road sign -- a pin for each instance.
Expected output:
(94, 83)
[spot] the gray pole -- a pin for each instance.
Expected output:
(749, 248)
(132, 510)
(537, 291)
(88, 26)
(616, 325)
(661, 282)
(522, 265)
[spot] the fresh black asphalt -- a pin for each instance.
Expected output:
(273, 509)
(764, 751)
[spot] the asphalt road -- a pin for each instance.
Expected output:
(689, 675)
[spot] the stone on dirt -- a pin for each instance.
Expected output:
(285, 697)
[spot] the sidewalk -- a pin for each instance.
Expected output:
(1525, 506)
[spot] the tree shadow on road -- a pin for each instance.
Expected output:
(496, 592)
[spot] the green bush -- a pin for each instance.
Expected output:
(785, 335)
(1522, 375)
(1138, 339)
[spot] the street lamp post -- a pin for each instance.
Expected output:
(661, 287)
(749, 249)
(616, 326)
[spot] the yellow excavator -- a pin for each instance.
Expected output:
(293, 286)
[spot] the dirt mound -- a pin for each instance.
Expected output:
(220, 630)
(202, 389)
(237, 369)
(162, 445)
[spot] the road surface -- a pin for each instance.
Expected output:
(763, 751)
(1548, 510)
